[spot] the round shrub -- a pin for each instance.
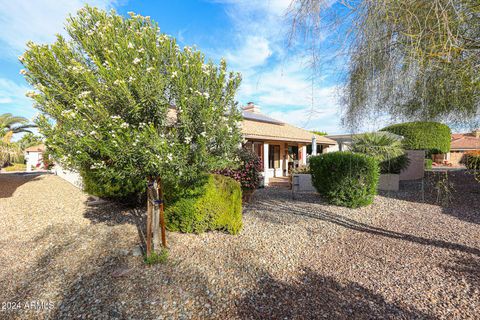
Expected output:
(214, 204)
(433, 137)
(345, 178)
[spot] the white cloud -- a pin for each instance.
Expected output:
(13, 99)
(254, 52)
(39, 20)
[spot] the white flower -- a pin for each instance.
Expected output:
(90, 32)
(118, 82)
(130, 45)
(23, 71)
(169, 157)
(83, 94)
(130, 79)
(174, 74)
(136, 60)
(115, 117)
(150, 69)
(21, 58)
(93, 133)
(124, 125)
(206, 95)
(141, 50)
(78, 151)
(203, 134)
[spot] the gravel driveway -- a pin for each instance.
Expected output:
(404, 257)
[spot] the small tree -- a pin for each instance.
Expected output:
(122, 103)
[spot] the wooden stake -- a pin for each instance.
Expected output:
(149, 219)
(162, 216)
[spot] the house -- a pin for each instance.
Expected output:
(280, 146)
(34, 157)
(460, 144)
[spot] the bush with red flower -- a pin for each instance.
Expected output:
(248, 172)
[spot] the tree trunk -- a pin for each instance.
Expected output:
(156, 217)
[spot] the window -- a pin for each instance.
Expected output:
(273, 156)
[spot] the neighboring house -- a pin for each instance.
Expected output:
(461, 143)
(34, 157)
(280, 146)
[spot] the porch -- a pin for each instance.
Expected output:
(279, 158)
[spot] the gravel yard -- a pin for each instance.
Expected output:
(403, 257)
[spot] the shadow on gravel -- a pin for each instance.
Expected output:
(465, 269)
(286, 207)
(314, 296)
(9, 182)
(456, 192)
(114, 214)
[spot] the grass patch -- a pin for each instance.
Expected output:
(16, 167)
(155, 258)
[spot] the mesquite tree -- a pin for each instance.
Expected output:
(123, 104)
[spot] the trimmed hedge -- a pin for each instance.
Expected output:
(215, 204)
(345, 178)
(433, 137)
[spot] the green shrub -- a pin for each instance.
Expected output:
(472, 160)
(345, 178)
(433, 137)
(428, 163)
(109, 184)
(214, 204)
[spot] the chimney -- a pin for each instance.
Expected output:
(251, 107)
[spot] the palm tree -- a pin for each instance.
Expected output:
(10, 124)
(386, 148)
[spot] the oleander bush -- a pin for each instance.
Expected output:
(213, 204)
(433, 137)
(345, 178)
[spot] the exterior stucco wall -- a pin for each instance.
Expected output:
(416, 168)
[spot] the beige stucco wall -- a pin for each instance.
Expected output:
(416, 168)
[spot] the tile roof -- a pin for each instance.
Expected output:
(255, 129)
(37, 148)
(462, 141)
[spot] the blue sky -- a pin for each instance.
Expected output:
(250, 34)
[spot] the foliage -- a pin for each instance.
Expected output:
(345, 178)
(213, 204)
(387, 149)
(433, 137)
(120, 101)
(248, 172)
(154, 258)
(428, 164)
(301, 170)
(10, 124)
(28, 140)
(410, 59)
(320, 133)
(472, 160)
(9, 153)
